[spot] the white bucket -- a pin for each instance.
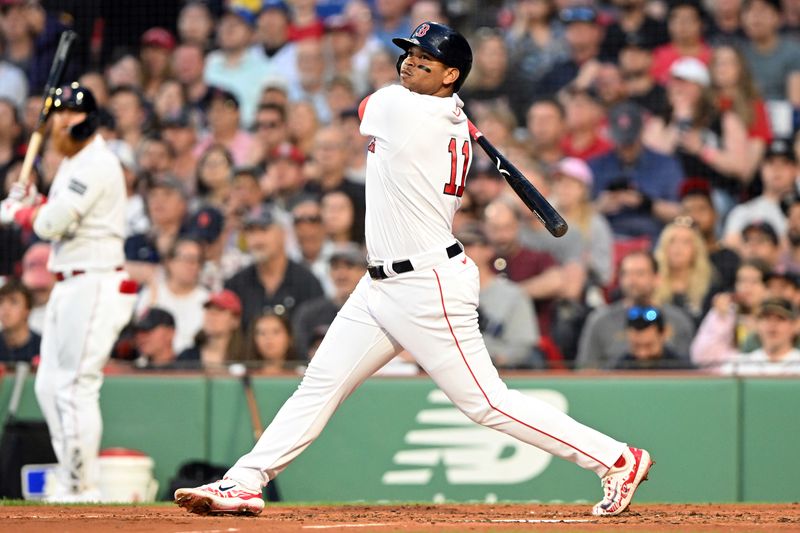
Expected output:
(126, 476)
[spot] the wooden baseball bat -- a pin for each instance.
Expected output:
(240, 371)
(530, 195)
(252, 406)
(54, 81)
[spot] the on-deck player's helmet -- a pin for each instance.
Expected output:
(75, 97)
(442, 42)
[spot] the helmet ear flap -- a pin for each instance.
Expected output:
(85, 129)
(400, 61)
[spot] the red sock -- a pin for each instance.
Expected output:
(620, 462)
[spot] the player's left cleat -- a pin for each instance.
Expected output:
(622, 480)
(223, 496)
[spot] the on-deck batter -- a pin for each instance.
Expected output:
(93, 299)
(421, 294)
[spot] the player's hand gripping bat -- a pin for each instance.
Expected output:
(537, 203)
(54, 81)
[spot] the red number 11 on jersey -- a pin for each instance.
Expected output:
(450, 188)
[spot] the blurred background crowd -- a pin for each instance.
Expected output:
(665, 132)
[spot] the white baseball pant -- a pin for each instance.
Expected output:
(83, 318)
(433, 314)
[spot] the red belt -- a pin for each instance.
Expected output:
(61, 276)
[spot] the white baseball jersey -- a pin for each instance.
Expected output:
(415, 178)
(91, 186)
(416, 171)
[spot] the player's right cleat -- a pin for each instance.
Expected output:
(622, 480)
(223, 496)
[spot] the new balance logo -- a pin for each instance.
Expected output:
(468, 453)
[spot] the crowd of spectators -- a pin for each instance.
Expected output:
(667, 133)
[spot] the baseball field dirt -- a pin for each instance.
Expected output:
(406, 518)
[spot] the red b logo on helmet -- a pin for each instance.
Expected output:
(422, 29)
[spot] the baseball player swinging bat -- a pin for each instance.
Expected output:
(54, 81)
(537, 203)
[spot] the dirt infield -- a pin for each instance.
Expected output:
(406, 518)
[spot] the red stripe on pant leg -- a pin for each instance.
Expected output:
(444, 310)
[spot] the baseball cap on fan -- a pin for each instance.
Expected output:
(781, 148)
(777, 307)
(576, 169)
(246, 10)
(625, 123)
(764, 228)
(225, 299)
(153, 318)
(158, 38)
(206, 225)
(287, 150)
(218, 93)
(259, 218)
(691, 69)
(349, 253)
(573, 14)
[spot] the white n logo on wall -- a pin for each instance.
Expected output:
(471, 454)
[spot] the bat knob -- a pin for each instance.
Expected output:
(237, 370)
(559, 229)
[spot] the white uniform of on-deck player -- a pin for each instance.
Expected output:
(84, 216)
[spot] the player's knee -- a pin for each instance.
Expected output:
(480, 413)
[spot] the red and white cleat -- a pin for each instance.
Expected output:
(622, 480)
(223, 496)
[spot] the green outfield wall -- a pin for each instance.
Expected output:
(714, 439)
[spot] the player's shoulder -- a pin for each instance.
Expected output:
(97, 161)
(387, 95)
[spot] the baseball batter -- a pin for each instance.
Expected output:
(84, 216)
(421, 294)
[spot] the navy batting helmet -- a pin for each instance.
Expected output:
(442, 42)
(75, 97)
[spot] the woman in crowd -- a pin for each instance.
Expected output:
(685, 268)
(220, 341)
(338, 218)
(488, 84)
(170, 100)
(214, 176)
(732, 318)
(572, 193)
(709, 143)
(270, 343)
(735, 90)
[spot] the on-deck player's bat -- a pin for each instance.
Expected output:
(537, 203)
(54, 81)
(240, 371)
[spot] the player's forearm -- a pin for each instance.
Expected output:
(53, 220)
